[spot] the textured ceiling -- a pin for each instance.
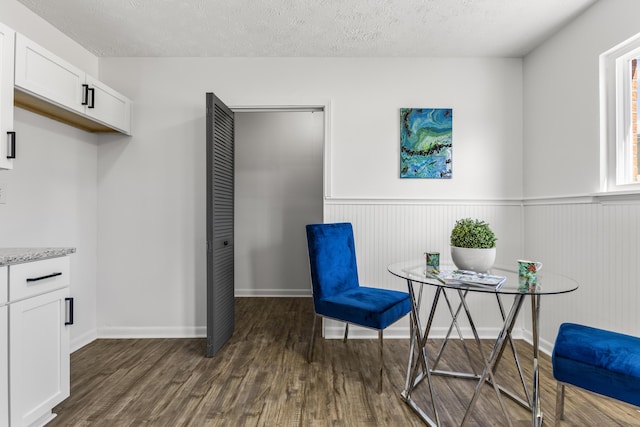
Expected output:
(308, 28)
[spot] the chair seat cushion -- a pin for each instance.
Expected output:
(601, 361)
(372, 307)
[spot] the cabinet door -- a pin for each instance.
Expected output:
(4, 366)
(4, 347)
(39, 355)
(7, 38)
(108, 106)
(46, 76)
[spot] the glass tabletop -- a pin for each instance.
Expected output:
(548, 283)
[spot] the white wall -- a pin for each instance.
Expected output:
(18, 17)
(278, 190)
(151, 263)
(577, 235)
(52, 201)
(52, 190)
(561, 93)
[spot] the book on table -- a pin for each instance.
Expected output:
(452, 277)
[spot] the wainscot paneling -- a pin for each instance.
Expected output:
(597, 244)
(387, 231)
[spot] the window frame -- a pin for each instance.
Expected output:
(616, 147)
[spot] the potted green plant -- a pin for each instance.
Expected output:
(473, 245)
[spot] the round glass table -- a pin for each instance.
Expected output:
(418, 366)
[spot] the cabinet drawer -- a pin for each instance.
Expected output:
(37, 277)
(4, 286)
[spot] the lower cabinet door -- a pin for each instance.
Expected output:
(4, 366)
(39, 357)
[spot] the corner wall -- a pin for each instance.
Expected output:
(52, 190)
(52, 201)
(594, 240)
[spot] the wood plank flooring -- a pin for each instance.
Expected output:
(261, 378)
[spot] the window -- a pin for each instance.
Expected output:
(619, 72)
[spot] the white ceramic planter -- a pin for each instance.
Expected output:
(480, 260)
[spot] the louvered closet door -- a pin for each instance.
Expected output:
(220, 284)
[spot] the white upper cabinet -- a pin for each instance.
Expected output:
(107, 105)
(52, 78)
(7, 134)
(53, 87)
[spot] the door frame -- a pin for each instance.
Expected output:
(319, 210)
(324, 106)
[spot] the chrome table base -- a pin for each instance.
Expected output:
(419, 369)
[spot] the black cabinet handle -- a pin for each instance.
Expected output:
(93, 98)
(11, 153)
(85, 94)
(48, 276)
(69, 317)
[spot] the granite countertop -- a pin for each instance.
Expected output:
(10, 256)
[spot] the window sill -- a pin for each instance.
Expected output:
(631, 196)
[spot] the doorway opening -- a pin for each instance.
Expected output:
(278, 190)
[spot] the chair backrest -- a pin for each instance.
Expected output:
(332, 258)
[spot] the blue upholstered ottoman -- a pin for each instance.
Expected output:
(600, 361)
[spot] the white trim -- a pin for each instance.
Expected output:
(427, 202)
(324, 106)
(559, 200)
(336, 331)
(614, 125)
(277, 109)
(273, 293)
(545, 346)
(608, 197)
(618, 198)
(87, 338)
(124, 332)
(326, 159)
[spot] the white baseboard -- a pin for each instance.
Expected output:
(546, 347)
(336, 331)
(78, 342)
(277, 293)
(153, 332)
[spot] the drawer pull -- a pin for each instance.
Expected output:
(85, 94)
(92, 104)
(48, 276)
(11, 149)
(69, 311)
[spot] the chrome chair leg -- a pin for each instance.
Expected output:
(559, 402)
(346, 331)
(380, 340)
(313, 338)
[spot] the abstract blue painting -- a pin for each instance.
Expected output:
(425, 142)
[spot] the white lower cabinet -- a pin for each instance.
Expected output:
(38, 340)
(4, 348)
(4, 366)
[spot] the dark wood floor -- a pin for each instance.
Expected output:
(261, 378)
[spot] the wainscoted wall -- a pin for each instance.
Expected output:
(594, 241)
(597, 243)
(388, 231)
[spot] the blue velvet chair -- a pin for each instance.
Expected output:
(337, 293)
(597, 360)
